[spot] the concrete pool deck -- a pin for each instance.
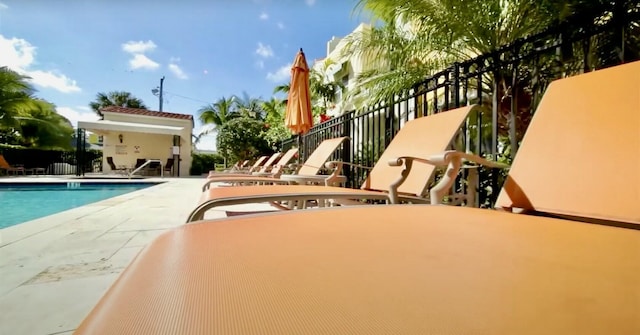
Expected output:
(53, 270)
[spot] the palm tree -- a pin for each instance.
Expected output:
(219, 112)
(115, 98)
(274, 109)
(16, 97)
(418, 37)
(27, 120)
(249, 106)
(45, 128)
(323, 89)
(284, 88)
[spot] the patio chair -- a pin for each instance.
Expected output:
(140, 162)
(114, 168)
(168, 167)
(420, 269)
(309, 169)
(402, 173)
(4, 165)
(154, 168)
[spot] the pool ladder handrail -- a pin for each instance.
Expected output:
(149, 161)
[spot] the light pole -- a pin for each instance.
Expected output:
(158, 92)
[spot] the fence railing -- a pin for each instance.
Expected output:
(507, 83)
(56, 162)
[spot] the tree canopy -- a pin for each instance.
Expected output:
(115, 98)
(26, 120)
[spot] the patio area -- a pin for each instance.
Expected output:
(55, 269)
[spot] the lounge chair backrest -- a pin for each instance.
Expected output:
(284, 161)
(169, 164)
(421, 137)
(267, 165)
(258, 163)
(581, 152)
(140, 162)
(4, 164)
(112, 165)
(318, 157)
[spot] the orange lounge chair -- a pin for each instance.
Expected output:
(4, 165)
(403, 172)
(311, 167)
(417, 269)
(263, 163)
(272, 167)
(239, 165)
(279, 167)
(256, 165)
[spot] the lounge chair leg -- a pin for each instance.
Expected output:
(471, 187)
(449, 177)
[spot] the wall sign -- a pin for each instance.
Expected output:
(121, 149)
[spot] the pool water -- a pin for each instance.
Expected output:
(24, 202)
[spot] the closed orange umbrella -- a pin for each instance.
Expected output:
(298, 116)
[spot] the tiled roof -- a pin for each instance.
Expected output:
(139, 111)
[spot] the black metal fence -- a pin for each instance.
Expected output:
(507, 83)
(56, 162)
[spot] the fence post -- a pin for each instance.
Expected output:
(79, 152)
(456, 84)
(346, 152)
(495, 106)
(513, 113)
(619, 14)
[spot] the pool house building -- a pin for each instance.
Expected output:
(131, 136)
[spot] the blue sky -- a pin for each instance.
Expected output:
(74, 49)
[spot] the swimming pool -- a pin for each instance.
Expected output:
(22, 202)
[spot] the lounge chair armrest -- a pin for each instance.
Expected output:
(294, 166)
(454, 161)
(339, 164)
(447, 156)
(403, 160)
(407, 162)
(444, 158)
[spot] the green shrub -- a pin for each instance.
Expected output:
(203, 163)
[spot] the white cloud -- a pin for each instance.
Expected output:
(264, 50)
(78, 113)
(138, 47)
(55, 80)
(264, 16)
(20, 56)
(17, 53)
(3, 6)
(140, 61)
(310, 2)
(281, 74)
(177, 71)
(280, 25)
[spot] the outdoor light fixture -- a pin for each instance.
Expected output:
(120, 137)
